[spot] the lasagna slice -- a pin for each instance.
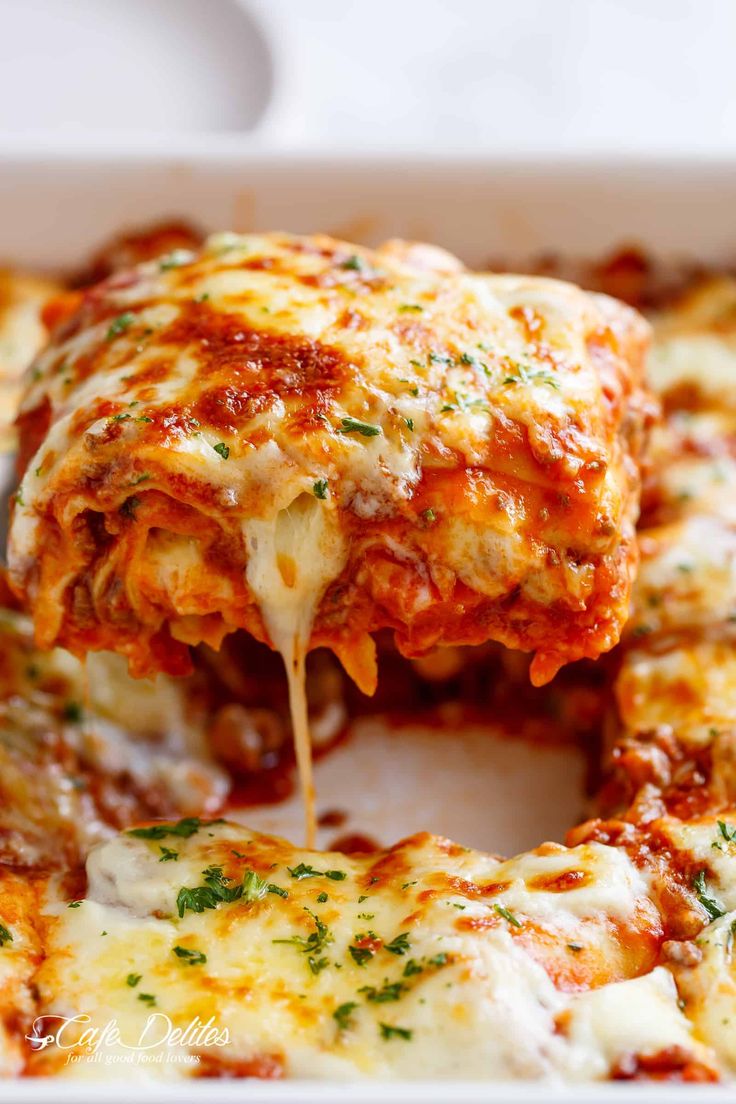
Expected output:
(313, 441)
(268, 960)
(304, 439)
(671, 787)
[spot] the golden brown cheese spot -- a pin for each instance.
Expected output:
(561, 883)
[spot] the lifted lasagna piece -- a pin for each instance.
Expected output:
(313, 441)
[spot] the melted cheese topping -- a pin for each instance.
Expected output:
(426, 957)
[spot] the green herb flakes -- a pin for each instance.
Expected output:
(343, 1015)
(365, 429)
(183, 828)
(392, 1032)
(508, 916)
(710, 905)
(190, 957)
(119, 325)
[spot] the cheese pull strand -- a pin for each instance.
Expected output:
(296, 676)
(292, 559)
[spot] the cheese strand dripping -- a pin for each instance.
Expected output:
(292, 559)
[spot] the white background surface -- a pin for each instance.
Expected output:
(439, 75)
(580, 75)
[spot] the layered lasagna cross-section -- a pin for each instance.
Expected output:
(312, 441)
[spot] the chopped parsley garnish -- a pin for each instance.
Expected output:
(727, 831)
(363, 897)
(184, 828)
(144, 418)
(413, 967)
(320, 488)
(365, 429)
(133, 979)
(440, 358)
(411, 307)
(219, 889)
(305, 871)
(120, 324)
(140, 479)
(223, 449)
(710, 905)
(354, 263)
(74, 904)
(410, 424)
(175, 259)
(255, 888)
(202, 298)
(399, 945)
(343, 1014)
(120, 417)
(147, 998)
(317, 964)
(509, 916)
(130, 506)
(322, 897)
(526, 375)
(575, 947)
(72, 712)
(730, 939)
(429, 515)
(406, 885)
(190, 958)
(5, 935)
(389, 1032)
(314, 943)
(440, 959)
(361, 955)
(168, 855)
(388, 992)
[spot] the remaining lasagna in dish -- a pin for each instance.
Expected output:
(427, 959)
(22, 333)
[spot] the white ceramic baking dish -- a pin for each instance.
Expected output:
(483, 789)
